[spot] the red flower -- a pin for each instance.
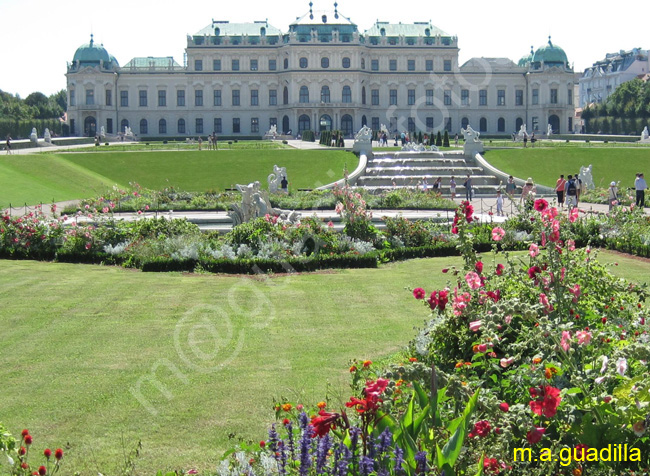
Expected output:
(535, 435)
(494, 295)
(504, 407)
(58, 453)
(47, 453)
(533, 271)
(353, 368)
(443, 299)
(262, 444)
(419, 293)
(377, 387)
(433, 301)
(28, 439)
(580, 452)
(479, 267)
(367, 363)
(42, 471)
(500, 269)
(22, 451)
(548, 405)
(481, 428)
(324, 422)
(286, 421)
(24, 433)
(492, 465)
(541, 205)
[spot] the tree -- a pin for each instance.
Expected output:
(439, 139)
(445, 139)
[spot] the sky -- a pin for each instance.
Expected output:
(38, 37)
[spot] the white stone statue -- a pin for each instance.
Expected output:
(645, 137)
(473, 144)
(470, 135)
(47, 136)
(586, 177)
(33, 136)
(522, 133)
(363, 140)
(549, 131)
(255, 204)
(383, 128)
(273, 131)
(128, 132)
(275, 179)
(102, 133)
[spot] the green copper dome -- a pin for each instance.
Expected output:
(551, 55)
(91, 55)
(526, 60)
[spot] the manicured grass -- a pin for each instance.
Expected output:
(545, 165)
(39, 178)
(77, 339)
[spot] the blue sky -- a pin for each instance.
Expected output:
(38, 37)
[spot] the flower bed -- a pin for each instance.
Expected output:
(138, 199)
(532, 365)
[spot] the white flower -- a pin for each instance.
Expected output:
(599, 380)
(604, 366)
(621, 366)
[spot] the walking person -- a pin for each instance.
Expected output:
(452, 187)
(640, 186)
(437, 185)
(468, 188)
(499, 204)
(559, 190)
(613, 195)
(578, 182)
(511, 187)
(571, 192)
(8, 144)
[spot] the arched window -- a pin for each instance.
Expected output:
(346, 62)
(304, 94)
(325, 123)
(123, 125)
(346, 125)
(363, 95)
(501, 125)
(325, 62)
(162, 126)
(518, 123)
(303, 62)
(181, 126)
(285, 125)
(325, 94)
(363, 63)
(464, 123)
(482, 125)
(144, 127)
(347, 94)
(364, 121)
(304, 123)
(286, 63)
(285, 96)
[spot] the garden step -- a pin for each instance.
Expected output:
(401, 180)
(439, 171)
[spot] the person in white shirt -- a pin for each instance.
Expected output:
(613, 195)
(499, 203)
(640, 185)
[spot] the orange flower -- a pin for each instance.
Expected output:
(399, 382)
(475, 348)
(321, 405)
(353, 368)
(537, 360)
(549, 372)
(287, 407)
(577, 472)
(459, 365)
(367, 363)
(413, 359)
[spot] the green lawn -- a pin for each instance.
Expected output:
(77, 339)
(39, 178)
(545, 165)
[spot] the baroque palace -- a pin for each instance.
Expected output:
(240, 79)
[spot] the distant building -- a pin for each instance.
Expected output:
(600, 80)
(240, 79)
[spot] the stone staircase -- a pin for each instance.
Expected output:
(391, 170)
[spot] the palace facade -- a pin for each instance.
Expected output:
(240, 79)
